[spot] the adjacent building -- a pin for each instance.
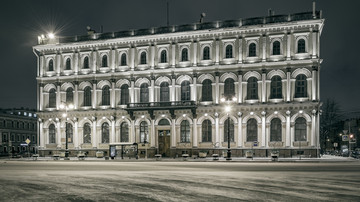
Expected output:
(16, 127)
(167, 88)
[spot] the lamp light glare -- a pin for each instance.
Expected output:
(71, 106)
(64, 115)
(301, 111)
(227, 108)
(222, 99)
(62, 106)
(51, 35)
(234, 99)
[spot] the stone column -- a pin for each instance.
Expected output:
(152, 56)
(42, 65)
(112, 95)
(240, 135)
(314, 43)
(263, 86)
(94, 95)
(288, 46)
(195, 137)
(173, 133)
(314, 83)
(58, 63)
(132, 136)
(41, 134)
(132, 57)
(58, 95)
(240, 93)
(217, 90)
(112, 59)
(173, 88)
(288, 131)
(76, 56)
(217, 131)
(112, 139)
(194, 88)
(132, 90)
(288, 84)
(58, 133)
(195, 53)
(267, 135)
(263, 48)
(173, 54)
(41, 97)
(152, 135)
(217, 51)
(263, 129)
(152, 89)
(240, 59)
(94, 59)
(76, 95)
(76, 134)
(94, 136)
(313, 128)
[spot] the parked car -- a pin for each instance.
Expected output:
(356, 153)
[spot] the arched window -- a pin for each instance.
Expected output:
(301, 46)
(86, 63)
(123, 60)
(252, 50)
(229, 88)
(206, 90)
(69, 131)
(51, 65)
(185, 131)
(229, 130)
(252, 89)
(143, 58)
(87, 133)
(163, 58)
(52, 98)
(52, 136)
(124, 94)
(105, 95)
(300, 86)
(105, 133)
(87, 96)
(104, 61)
(68, 64)
(206, 131)
(229, 51)
(163, 122)
(184, 55)
(185, 90)
(144, 134)
(275, 130)
(69, 96)
(276, 88)
(300, 129)
(276, 48)
(251, 130)
(144, 92)
(124, 132)
(206, 53)
(164, 92)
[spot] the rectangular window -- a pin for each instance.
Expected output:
(4, 137)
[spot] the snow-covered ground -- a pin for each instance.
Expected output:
(178, 181)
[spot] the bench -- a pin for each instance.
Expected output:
(35, 156)
(185, 156)
(215, 157)
(56, 157)
(158, 157)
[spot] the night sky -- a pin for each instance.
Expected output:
(22, 21)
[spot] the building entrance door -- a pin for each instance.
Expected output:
(164, 142)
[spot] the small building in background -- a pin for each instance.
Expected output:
(16, 126)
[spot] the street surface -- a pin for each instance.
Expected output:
(178, 181)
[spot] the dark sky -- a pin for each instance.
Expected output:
(22, 21)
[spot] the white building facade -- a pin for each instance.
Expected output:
(170, 86)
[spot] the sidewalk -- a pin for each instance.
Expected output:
(324, 158)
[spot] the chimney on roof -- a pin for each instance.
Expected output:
(202, 17)
(89, 30)
(271, 12)
(313, 10)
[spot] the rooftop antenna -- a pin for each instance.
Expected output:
(167, 12)
(202, 17)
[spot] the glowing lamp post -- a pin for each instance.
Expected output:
(227, 110)
(64, 115)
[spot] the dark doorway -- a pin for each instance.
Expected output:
(164, 142)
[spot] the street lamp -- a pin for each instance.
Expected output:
(227, 110)
(64, 115)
